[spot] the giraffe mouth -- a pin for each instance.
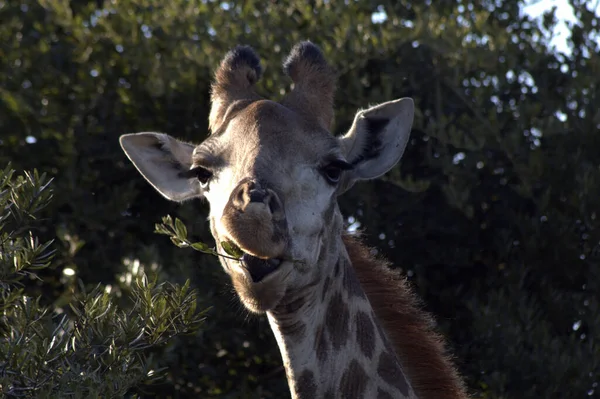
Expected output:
(259, 268)
(259, 282)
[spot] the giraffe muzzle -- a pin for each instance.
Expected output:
(254, 220)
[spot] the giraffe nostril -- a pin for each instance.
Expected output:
(257, 195)
(276, 207)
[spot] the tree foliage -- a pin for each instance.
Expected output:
(93, 348)
(492, 212)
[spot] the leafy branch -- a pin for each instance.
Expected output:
(177, 232)
(95, 348)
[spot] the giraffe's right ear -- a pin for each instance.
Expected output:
(161, 159)
(376, 140)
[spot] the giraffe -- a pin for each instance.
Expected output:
(346, 326)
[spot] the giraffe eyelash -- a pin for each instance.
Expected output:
(202, 174)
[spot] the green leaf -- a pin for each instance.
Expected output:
(232, 249)
(180, 229)
(202, 247)
(160, 228)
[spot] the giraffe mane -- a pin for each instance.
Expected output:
(410, 329)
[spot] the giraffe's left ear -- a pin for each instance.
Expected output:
(376, 140)
(161, 159)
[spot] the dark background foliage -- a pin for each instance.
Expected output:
(492, 212)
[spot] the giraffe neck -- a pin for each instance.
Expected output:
(331, 342)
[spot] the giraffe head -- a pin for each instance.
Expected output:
(272, 171)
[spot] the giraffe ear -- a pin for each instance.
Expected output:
(161, 159)
(377, 139)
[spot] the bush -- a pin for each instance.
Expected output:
(95, 347)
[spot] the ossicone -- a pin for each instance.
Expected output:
(304, 62)
(235, 77)
(239, 68)
(314, 83)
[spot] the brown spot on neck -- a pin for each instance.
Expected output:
(351, 283)
(336, 319)
(353, 382)
(365, 333)
(409, 328)
(389, 370)
(305, 386)
(321, 344)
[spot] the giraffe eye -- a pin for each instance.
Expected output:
(202, 174)
(333, 171)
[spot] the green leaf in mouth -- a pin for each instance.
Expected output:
(231, 249)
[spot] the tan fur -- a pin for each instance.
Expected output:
(254, 231)
(314, 86)
(420, 349)
(233, 88)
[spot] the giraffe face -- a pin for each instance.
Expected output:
(272, 172)
(272, 197)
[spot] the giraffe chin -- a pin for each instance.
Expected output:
(261, 283)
